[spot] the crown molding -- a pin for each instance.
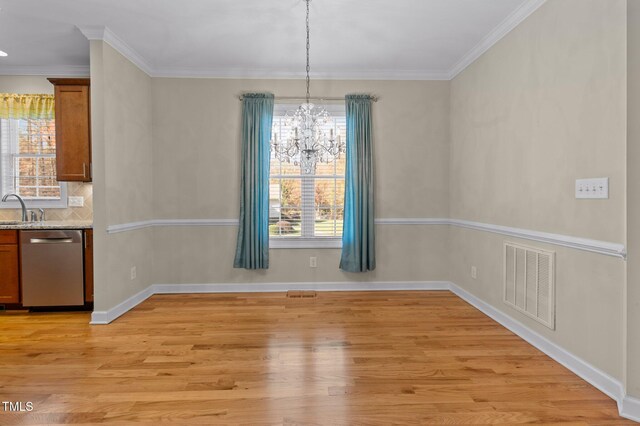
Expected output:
(256, 73)
(504, 28)
(100, 32)
(92, 32)
(103, 33)
(49, 71)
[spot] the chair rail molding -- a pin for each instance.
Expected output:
(578, 243)
(132, 226)
(585, 244)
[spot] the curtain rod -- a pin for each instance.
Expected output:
(302, 98)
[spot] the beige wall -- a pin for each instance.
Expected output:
(25, 84)
(122, 155)
(545, 106)
(40, 84)
(196, 136)
(196, 176)
(203, 255)
(633, 200)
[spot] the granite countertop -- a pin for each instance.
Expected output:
(48, 224)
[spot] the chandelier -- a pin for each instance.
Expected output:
(308, 142)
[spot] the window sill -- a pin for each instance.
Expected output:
(34, 204)
(302, 243)
(60, 203)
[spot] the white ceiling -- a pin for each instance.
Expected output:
(419, 39)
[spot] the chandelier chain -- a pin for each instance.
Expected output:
(308, 48)
(311, 135)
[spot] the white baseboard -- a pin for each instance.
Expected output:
(317, 286)
(105, 317)
(628, 407)
(601, 380)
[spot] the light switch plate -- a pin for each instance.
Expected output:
(592, 188)
(76, 201)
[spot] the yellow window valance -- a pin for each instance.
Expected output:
(19, 106)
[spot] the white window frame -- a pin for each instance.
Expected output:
(13, 203)
(304, 242)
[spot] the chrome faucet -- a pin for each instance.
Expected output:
(24, 208)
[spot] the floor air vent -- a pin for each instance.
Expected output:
(301, 294)
(529, 282)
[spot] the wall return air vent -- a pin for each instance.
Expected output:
(529, 284)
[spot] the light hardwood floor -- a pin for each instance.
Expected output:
(374, 358)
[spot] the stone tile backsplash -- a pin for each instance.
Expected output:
(74, 189)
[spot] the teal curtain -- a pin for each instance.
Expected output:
(252, 250)
(358, 235)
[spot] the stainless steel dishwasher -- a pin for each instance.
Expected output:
(52, 268)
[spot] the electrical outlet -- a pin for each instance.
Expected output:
(76, 201)
(474, 272)
(134, 273)
(313, 262)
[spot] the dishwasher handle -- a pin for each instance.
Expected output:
(62, 240)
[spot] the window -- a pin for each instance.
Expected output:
(28, 163)
(306, 210)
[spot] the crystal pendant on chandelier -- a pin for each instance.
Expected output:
(309, 140)
(308, 124)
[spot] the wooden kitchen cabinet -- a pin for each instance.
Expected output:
(73, 129)
(10, 267)
(88, 265)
